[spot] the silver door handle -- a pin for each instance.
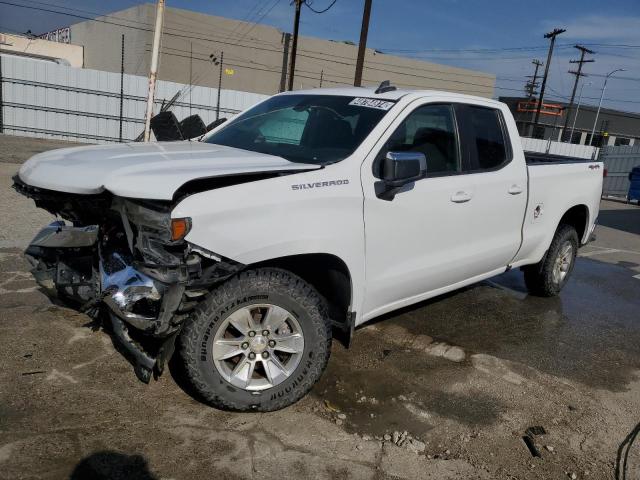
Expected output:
(515, 189)
(461, 197)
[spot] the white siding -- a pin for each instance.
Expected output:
(44, 99)
(558, 148)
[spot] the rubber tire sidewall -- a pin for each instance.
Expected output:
(539, 277)
(270, 286)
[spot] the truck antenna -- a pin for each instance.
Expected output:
(385, 86)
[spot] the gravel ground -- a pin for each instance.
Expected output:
(442, 390)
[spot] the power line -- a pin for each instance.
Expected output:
(259, 19)
(173, 12)
(136, 28)
(319, 11)
(331, 59)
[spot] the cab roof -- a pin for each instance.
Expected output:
(397, 94)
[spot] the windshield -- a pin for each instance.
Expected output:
(317, 129)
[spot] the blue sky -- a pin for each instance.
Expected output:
(503, 35)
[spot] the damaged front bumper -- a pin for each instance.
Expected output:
(98, 270)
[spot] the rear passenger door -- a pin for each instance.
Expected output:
(499, 183)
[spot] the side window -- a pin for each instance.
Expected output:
(487, 133)
(286, 126)
(431, 130)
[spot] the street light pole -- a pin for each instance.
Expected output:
(604, 86)
(573, 126)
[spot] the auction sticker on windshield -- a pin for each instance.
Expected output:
(372, 103)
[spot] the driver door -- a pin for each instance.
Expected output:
(419, 241)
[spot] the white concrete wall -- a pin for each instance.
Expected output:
(43, 99)
(558, 148)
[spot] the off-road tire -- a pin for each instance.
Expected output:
(539, 277)
(265, 285)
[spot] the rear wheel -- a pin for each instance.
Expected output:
(258, 342)
(551, 274)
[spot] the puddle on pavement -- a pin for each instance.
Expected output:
(589, 334)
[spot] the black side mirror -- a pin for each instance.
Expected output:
(399, 169)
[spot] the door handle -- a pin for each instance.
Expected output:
(515, 189)
(461, 197)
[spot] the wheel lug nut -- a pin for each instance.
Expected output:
(265, 354)
(245, 345)
(252, 356)
(272, 343)
(265, 333)
(252, 333)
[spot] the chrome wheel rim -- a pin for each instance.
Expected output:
(563, 262)
(258, 346)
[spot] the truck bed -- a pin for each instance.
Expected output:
(556, 185)
(537, 158)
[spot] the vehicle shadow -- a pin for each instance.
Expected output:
(109, 465)
(627, 220)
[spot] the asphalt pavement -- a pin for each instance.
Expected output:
(441, 390)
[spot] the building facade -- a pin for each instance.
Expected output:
(254, 57)
(613, 127)
(41, 49)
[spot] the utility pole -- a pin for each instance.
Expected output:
(321, 75)
(552, 35)
(219, 85)
(578, 74)
(532, 84)
(121, 84)
(286, 41)
(531, 87)
(153, 73)
(294, 47)
(362, 46)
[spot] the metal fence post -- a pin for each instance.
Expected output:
(121, 84)
(1, 104)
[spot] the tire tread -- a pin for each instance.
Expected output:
(265, 279)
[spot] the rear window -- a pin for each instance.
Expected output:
(488, 136)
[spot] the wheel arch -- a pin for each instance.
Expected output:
(577, 217)
(331, 277)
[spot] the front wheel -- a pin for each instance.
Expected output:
(551, 274)
(258, 342)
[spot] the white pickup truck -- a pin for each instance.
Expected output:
(309, 214)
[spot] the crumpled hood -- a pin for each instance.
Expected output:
(144, 170)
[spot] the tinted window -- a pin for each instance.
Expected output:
(304, 128)
(430, 130)
(488, 136)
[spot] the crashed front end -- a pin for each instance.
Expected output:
(125, 262)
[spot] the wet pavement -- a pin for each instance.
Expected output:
(445, 389)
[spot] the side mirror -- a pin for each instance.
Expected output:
(399, 169)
